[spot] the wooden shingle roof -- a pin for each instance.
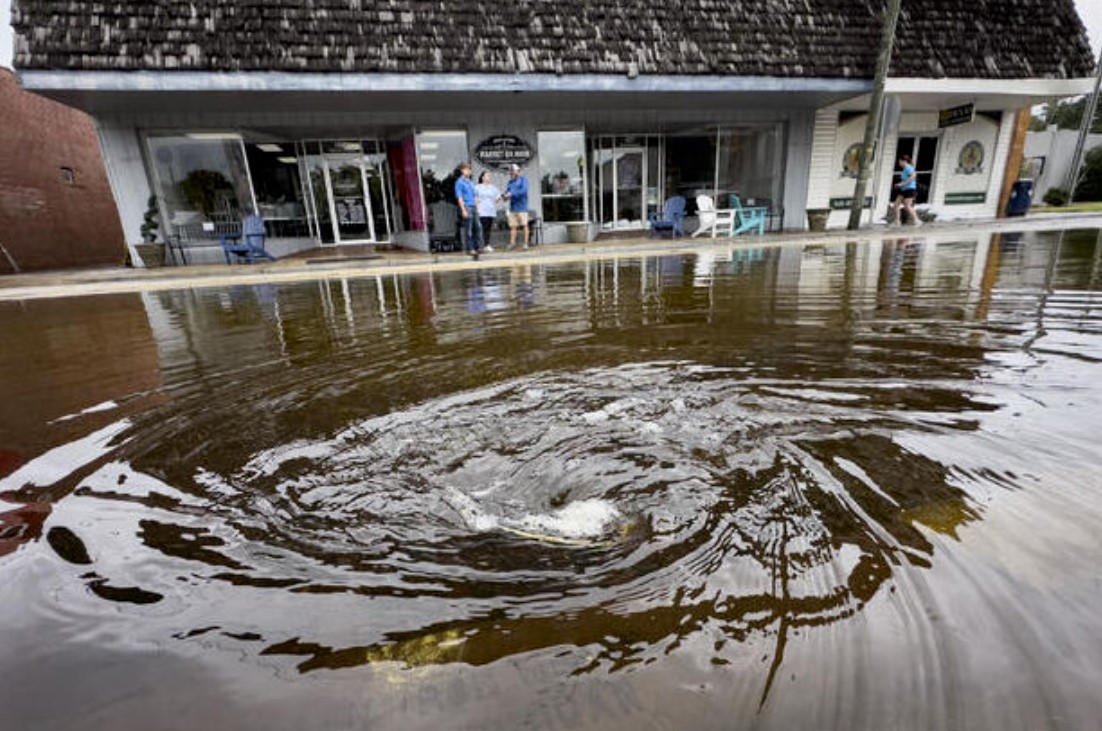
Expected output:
(999, 39)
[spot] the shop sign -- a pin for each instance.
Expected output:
(501, 151)
(844, 204)
(964, 199)
(956, 115)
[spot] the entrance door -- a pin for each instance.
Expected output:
(349, 202)
(923, 150)
(631, 182)
(622, 181)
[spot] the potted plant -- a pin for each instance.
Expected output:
(817, 219)
(151, 251)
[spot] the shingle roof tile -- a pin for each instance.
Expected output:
(786, 38)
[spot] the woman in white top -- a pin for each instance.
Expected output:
(486, 195)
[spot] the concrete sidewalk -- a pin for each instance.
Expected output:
(71, 283)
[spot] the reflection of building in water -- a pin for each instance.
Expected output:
(67, 371)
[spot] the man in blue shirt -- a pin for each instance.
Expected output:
(465, 197)
(517, 193)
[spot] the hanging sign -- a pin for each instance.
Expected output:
(956, 115)
(501, 151)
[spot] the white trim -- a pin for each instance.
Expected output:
(1009, 87)
(107, 81)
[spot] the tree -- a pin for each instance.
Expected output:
(1090, 179)
(1065, 114)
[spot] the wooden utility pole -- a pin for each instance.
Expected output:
(1084, 130)
(876, 113)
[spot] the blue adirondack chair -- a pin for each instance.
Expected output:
(249, 245)
(671, 219)
(747, 218)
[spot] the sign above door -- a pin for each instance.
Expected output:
(964, 114)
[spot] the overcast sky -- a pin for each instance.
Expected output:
(1090, 10)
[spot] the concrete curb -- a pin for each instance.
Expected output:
(105, 281)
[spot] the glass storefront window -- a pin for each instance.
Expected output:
(750, 166)
(439, 153)
(274, 168)
(201, 179)
(691, 165)
(562, 175)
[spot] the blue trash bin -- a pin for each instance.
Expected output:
(1021, 198)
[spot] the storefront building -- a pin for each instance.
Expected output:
(342, 123)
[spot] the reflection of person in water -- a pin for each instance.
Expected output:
(522, 286)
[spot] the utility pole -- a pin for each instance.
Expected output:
(1084, 130)
(876, 113)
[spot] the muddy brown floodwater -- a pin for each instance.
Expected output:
(821, 487)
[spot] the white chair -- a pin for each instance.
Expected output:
(713, 219)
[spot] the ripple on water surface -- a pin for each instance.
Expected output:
(690, 479)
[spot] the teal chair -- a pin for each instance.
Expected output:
(747, 218)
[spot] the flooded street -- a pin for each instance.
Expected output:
(802, 487)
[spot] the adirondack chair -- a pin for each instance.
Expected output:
(747, 218)
(249, 244)
(671, 219)
(712, 220)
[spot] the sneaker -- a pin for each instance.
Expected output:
(489, 249)
(525, 247)
(916, 223)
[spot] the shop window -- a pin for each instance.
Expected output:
(691, 165)
(750, 166)
(277, 184)
(439, 154)
(202, 181)
(562, 175)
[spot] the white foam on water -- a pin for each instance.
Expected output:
(473, 514)
(583, 519)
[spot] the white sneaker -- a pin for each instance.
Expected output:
(489, 249)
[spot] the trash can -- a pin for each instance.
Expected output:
(1021, 198)
(817, 219)
(577, 232)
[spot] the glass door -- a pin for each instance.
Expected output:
(631, 183)
(923, 150)
(349, 202)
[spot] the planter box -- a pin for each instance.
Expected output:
(577, 232)
(817, 219)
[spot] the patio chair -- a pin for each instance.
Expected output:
(671, 219)
(249, 244)
(712, 220)
(747, 218)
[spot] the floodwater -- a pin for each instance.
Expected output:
(822, 487)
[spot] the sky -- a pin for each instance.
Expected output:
(1089, 10)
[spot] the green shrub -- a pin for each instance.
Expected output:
(1056, 197)
(1090, 178)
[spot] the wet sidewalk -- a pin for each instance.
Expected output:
(364, 261)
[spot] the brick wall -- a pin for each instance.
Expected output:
(56, 209)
